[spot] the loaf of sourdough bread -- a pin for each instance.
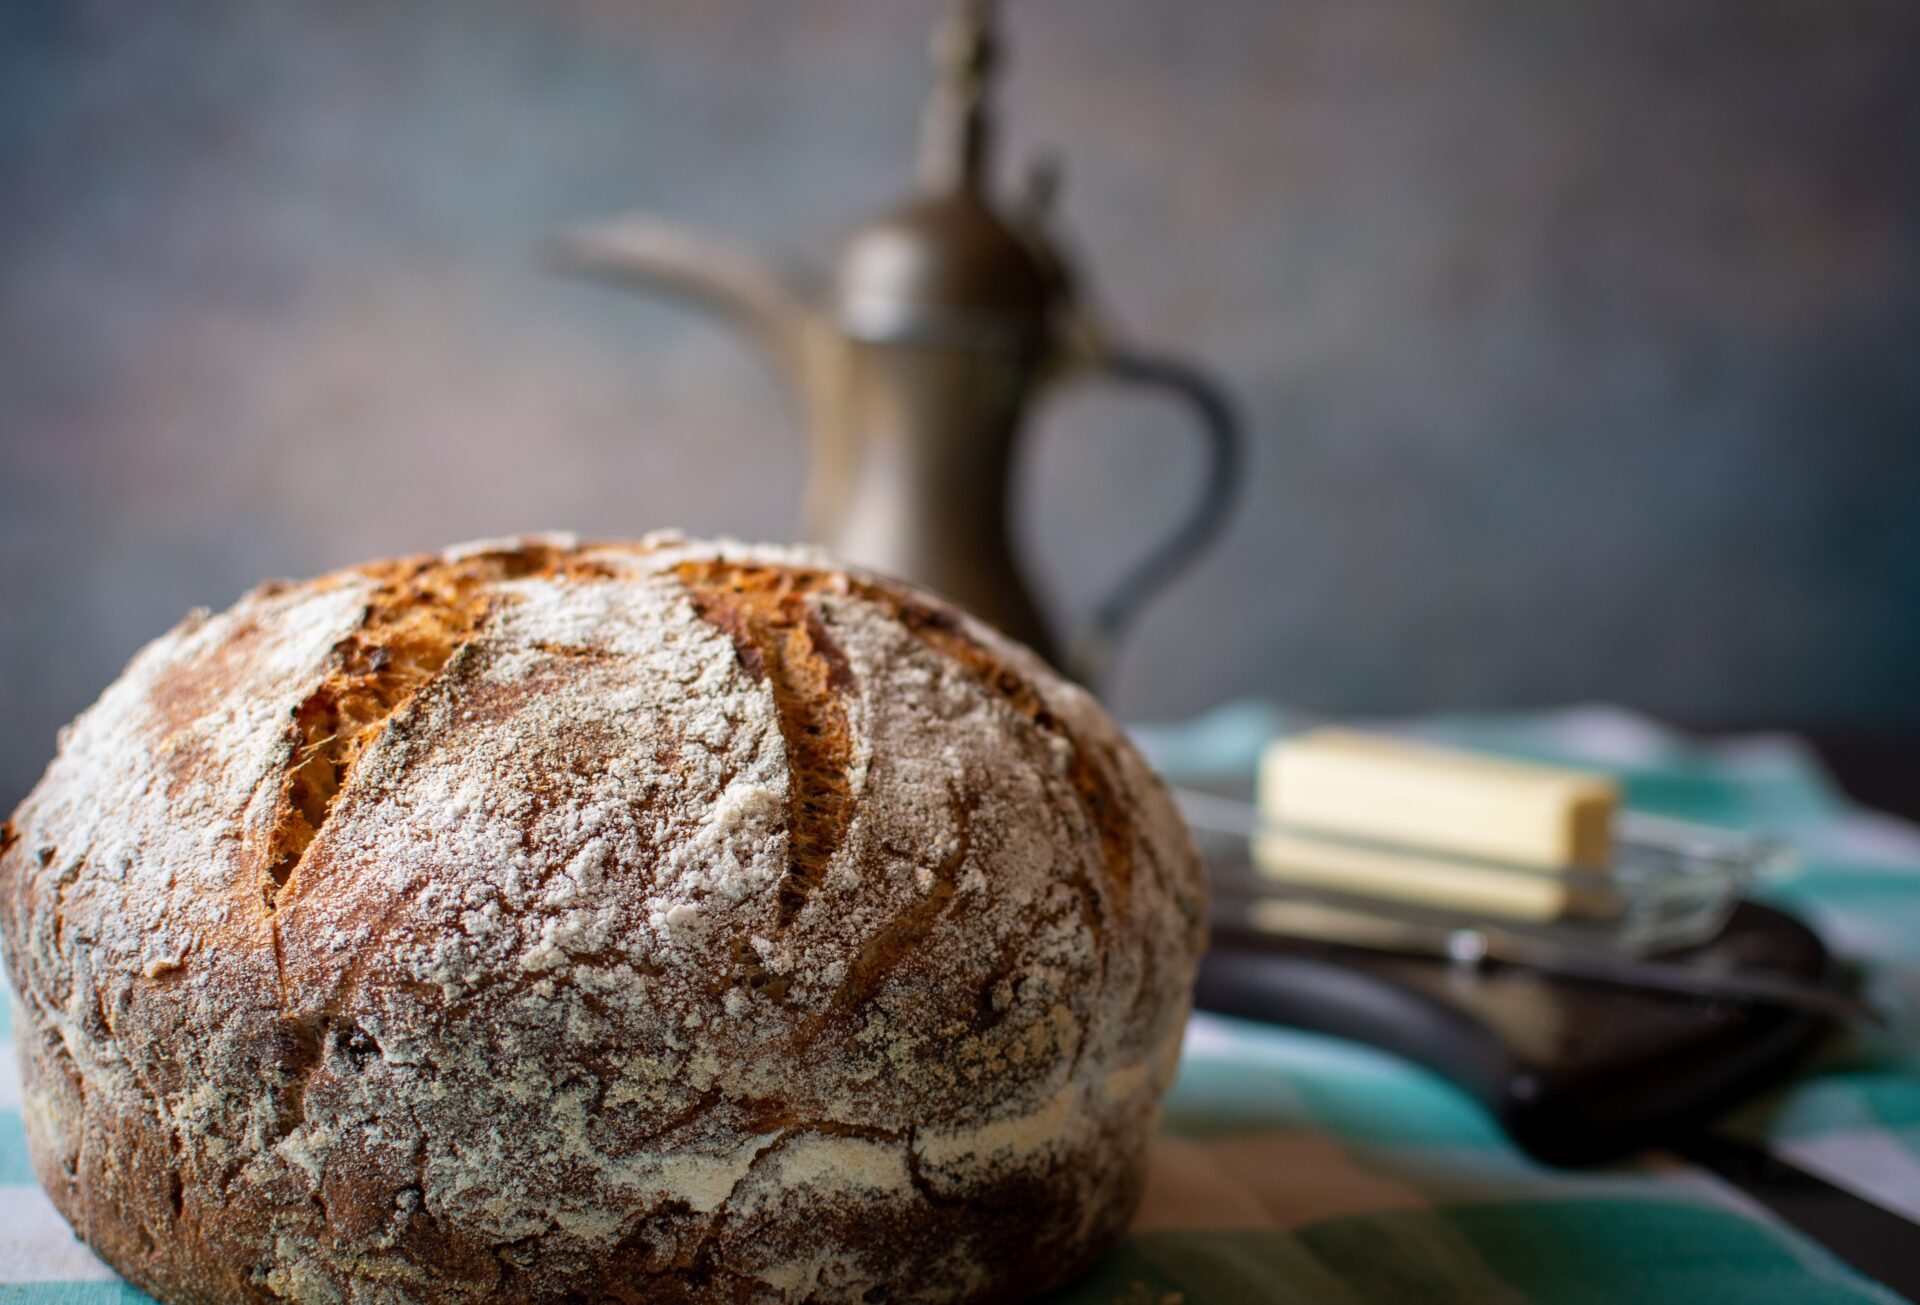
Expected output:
(534, 921)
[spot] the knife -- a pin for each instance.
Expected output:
(1250, 906)
(1253, 910)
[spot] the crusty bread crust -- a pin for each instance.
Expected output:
(639, 922)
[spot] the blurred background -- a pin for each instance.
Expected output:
(1580, 341)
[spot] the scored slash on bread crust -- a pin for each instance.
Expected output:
(780, 638)
(646, 922)
(422, 612)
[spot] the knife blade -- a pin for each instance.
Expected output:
(1251, 910)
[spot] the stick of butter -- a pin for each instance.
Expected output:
(1430, 804)
(1423, 879)
(1443, 800)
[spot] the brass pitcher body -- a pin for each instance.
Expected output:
(911, 471)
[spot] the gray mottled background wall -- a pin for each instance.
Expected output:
(1581, 339)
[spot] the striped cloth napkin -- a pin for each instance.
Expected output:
(1294, 1167)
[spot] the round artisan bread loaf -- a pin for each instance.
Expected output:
(635, 922)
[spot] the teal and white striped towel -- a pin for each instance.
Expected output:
(1296, 1168)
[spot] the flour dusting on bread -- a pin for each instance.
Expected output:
(652, 921)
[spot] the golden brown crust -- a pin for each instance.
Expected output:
(648, 922)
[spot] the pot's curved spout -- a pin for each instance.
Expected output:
(652, 255)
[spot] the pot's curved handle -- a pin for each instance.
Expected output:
(1091, 653)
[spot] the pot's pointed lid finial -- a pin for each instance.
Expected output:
(957, 134)
(952, 264)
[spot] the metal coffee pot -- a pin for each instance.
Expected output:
(946, 317)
